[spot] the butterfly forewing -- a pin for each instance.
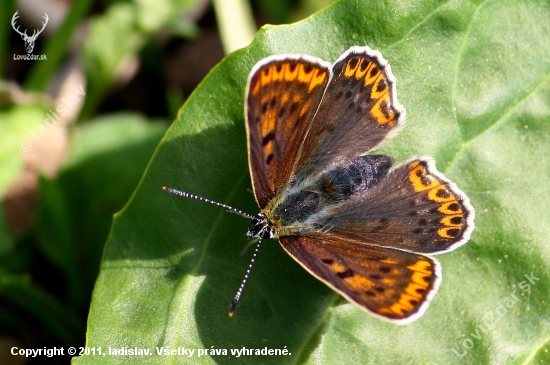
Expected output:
(358, 111)
(392, 284)
(282, 96)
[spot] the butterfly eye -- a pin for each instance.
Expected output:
(265, 233)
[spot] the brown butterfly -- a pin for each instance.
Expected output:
(349, 218)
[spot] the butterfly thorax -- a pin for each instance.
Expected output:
(298, 210)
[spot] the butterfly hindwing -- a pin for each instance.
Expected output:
(392, 284)
(281, 98)
(358, 111)
(414, 208)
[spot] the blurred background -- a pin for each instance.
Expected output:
(87, 90)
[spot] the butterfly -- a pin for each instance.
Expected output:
(352, 219)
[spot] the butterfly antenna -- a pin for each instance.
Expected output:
(240, 291)
(192, 196)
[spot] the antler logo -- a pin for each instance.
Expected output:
(29, 41)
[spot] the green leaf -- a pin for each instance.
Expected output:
(475, 79)
(106, 160)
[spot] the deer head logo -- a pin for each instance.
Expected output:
(29, 41)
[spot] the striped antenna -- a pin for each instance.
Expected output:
(227, 207)
(240, 291)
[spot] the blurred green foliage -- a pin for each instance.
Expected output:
(49, 267)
